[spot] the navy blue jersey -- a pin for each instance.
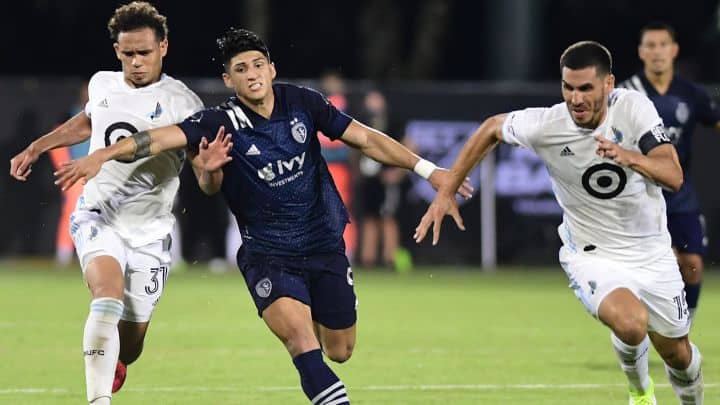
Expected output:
(278, 185)
(681, 107)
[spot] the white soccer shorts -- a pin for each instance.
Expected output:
(145, 268)
(658, 285)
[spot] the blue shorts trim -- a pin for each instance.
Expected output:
(324, 282)
(687, 230)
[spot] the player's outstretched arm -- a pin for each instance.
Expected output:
(73, 131)
(209, 160)
(387, 150)
(483, 140)
(661, 164)
(134, 147)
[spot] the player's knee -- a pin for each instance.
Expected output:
(631, 328)
(340, 353)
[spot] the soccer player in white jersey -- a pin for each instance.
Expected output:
(608, 157)
(122, 223)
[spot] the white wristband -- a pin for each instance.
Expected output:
(424, 168)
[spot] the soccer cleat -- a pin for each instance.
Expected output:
(648, 398)
(120, 374)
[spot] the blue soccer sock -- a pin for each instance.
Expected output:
(692, 295)
(321, 385)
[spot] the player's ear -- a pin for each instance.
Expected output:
(610, 81)
(116, 46)
(227, 81)
(273, 72)
(675, 49)
(163, 47)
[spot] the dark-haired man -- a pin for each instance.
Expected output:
(607, 154)
(681, 105)
(122, 222)
(288, 209)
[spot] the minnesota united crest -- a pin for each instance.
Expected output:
(299, 131)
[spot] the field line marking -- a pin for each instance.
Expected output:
(418, 387)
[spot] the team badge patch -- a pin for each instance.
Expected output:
(617, 135)
(682, 112)
(263, 287)
(299, 131)
(157, 113)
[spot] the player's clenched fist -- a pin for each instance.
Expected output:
(21, 164)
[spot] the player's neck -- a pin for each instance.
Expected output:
(263, 107)
(660, 81)
(139, 86)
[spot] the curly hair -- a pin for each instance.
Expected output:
(237, 40)
(136, 15)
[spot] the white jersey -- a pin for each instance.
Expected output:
(607, 207)
(135, 198)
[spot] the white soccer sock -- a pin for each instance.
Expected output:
(101, 347)
(634, 362)
(688, 383)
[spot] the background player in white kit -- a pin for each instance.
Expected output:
(607, 154)
(122, 223)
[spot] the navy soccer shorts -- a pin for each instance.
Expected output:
(324, 282)
(688, 232)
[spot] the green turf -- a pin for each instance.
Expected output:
(437, 336)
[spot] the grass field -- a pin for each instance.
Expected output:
(436, 336)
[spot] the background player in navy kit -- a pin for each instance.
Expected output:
(278, 186)
(680, 104)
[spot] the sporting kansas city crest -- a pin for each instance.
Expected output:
(299, 130)
(263, 287)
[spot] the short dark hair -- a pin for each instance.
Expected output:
(586, 54)
(658, 26)
(237, 40)
(137, 15)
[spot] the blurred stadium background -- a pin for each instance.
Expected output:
(447, 332)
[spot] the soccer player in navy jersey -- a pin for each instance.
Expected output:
(681, 104)
(275, 181)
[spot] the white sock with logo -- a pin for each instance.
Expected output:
(688, 383)
(634, 362)
(101, 347)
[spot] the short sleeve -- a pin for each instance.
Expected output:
(197, 126)
(643, 115)
(645, 123)
(328, 119)
(186, 104)
(522, 127)
(707, 110)
(92, 95)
